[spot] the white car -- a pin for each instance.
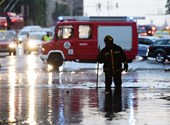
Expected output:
(26, 30)
(33, 42)
(32, 27)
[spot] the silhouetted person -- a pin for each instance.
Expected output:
(8, 22)
(113, 57)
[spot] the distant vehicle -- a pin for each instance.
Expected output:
(15, 22)
(7, 44)
(26, 30)
(31, 27)
(13, 35)
(143, 44)
(160, 50)
(33, 42)
(22, 35)
(150, 29)
(162, 34)
(3, 23)
(142, 32)
(48, 29)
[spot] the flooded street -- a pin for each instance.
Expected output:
(32, 96)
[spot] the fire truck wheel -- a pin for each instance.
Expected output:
(56, 61)
(10, 53)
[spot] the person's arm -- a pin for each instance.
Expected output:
(125, 62)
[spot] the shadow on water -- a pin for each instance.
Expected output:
(113, 103)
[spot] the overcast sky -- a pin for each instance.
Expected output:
(125, 7)
(152, 10)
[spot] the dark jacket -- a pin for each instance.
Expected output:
(118, 57)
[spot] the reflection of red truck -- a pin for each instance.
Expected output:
(78, 39)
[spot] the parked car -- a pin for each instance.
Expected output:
(33, 42)
(150, 29)
(142, 32)
(13, 35)
(162, 34)
(7, 44)
(22, 35)
(160, 50)
(143, 44)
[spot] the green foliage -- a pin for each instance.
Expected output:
(61, 10)
(39, 12)
(34, 10)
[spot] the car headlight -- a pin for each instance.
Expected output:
(31, 44)
(42, 49)
(12, 45)
(20, 39)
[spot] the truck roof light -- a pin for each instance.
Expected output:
(97, 18)
(131, 18)
(60, 18)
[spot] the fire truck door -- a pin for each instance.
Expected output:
(86, 45)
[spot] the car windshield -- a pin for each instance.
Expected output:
(23, 33)
(160, 42)
(154, 39)
(35, 36)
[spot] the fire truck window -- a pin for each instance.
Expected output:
(65, 32)
(85, 32)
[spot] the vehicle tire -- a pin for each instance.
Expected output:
(28, 51)
(56, 61)
(10, 53)
(25, 51)
(160, 57)
(144, 57)
(14, 53)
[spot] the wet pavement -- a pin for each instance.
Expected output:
(29, 95)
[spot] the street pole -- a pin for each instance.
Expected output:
(97, 79)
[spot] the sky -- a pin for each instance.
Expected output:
(146, 8)
(125, 7)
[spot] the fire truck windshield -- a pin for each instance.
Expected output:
(65, 32)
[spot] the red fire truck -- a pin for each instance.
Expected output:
(16, 21)
(78, 39)
(3, 23)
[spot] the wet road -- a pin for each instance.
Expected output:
(29, 95)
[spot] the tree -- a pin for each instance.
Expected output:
(61, 10)
(168, 7)
(34, 11)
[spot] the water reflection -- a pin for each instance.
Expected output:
(12, 81)
(32, 99)
(113, 103)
